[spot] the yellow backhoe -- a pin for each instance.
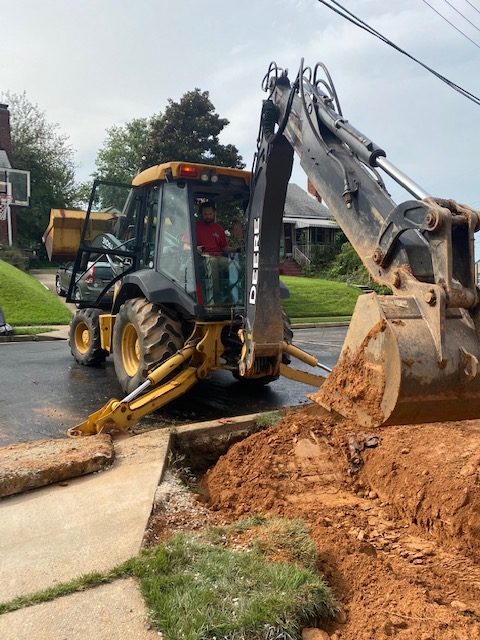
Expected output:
(178, 313)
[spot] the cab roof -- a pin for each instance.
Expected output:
(187, 170)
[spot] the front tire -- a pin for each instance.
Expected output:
(144, 335)
(84, 338)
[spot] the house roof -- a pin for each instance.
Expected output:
(300, 204)
(4, 161)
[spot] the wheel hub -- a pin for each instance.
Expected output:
(82, 337)
(130, 350)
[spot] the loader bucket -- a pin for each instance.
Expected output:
(392, 371)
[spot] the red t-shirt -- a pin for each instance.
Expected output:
(211, 237)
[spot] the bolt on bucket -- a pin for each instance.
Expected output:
(398, 366)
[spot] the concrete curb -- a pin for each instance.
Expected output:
(40, 337)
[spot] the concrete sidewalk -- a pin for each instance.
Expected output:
(110, 612)
(58, 332)
(93, 523)
(58, 533)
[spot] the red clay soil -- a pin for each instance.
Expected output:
(356, 387)
(398, 541)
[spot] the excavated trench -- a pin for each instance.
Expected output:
(395, 514)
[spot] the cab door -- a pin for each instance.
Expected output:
(175, 250)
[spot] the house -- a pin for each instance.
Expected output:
(14, 183)
(8, 227)
(308, 226)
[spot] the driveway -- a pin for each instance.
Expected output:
(47, 278)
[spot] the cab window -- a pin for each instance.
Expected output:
(175, 257)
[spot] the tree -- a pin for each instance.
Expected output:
(189, 130)
(39, 147)
(120, 157)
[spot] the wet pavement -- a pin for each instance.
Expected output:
(43, 391)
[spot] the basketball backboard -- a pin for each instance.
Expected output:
(15, 183)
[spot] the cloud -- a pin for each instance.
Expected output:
(92, 64)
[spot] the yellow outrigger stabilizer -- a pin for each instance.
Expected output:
(174, 377)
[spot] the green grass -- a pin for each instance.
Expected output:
(25, 301)
(201, 590)
(286, 538)
(87, 581)
(269, 418)
(31, 331)
(197, 588)
(322, 320)
(315, 297)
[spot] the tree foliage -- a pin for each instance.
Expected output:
(120, 157)
(189, 130)
(348, 267)
(39, 147)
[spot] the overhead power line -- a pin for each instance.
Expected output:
(348, 15)
(473, 6)
(451, 23)
(451, 5)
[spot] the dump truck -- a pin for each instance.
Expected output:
(179, 313)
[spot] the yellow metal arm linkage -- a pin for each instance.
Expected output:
(202, 353)
(302, 376)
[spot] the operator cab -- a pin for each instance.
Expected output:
(147, 233)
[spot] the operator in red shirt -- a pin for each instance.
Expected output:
(211, 237)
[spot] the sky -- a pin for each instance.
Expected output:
(91, 64)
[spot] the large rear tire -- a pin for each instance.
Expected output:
(144, 335)
(84, 338)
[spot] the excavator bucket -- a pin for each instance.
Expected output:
(400, 365)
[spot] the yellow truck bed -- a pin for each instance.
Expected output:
(62, 236)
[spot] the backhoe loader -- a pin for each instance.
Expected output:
(179, 314)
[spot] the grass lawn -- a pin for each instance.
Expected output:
(323, 319)
(25, 301)
(197, 587)
(313, 298)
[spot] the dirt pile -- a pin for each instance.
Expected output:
(430, 475)
(398, 540)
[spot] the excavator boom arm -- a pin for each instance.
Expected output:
(423, 341)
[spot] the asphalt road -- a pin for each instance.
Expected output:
(43, 391)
